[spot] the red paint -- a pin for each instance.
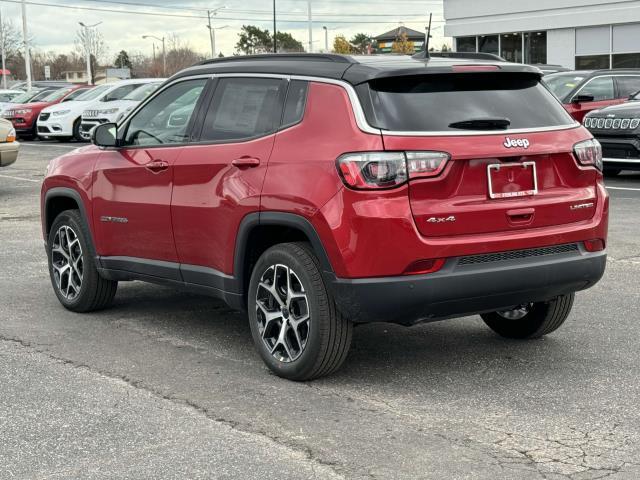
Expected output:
(189, 212)
(579, 110)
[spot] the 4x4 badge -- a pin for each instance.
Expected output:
(516, 143)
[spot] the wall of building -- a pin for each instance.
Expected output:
(561, 47)
(473, 17)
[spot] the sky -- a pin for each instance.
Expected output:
(52, 24)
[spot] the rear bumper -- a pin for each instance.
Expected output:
(465, 289)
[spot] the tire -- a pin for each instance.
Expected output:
(76, 130)
(90, 291)
(531, 321)
(611, 172)
(309, 349)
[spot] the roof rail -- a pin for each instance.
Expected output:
(309, 57)
(469, 55)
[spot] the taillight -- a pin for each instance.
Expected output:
(426, 164)
(589, 153)
(379, 170)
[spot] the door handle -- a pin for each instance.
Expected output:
(157, 166)
(521, 216)
(246, 161)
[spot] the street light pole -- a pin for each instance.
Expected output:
(164, 52)
(212, 35)
(2, 39)
(87, 48)
(326, 39)
(25, 38)
(275, 40)
(310, 26)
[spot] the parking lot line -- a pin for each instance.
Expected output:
(21, 178)
(50, 145)
(624, 188)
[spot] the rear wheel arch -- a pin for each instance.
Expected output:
(261, 231)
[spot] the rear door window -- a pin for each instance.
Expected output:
(244, 108)
(446, 102)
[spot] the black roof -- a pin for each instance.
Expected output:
(354, 69)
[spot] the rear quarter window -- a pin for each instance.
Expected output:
(433, 103)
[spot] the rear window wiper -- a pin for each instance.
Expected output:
(482, 124)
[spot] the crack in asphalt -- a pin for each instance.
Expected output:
(586, 454)
(573, 456)
(303, 450)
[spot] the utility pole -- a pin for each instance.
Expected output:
(310, 27)
(275, 40)
(326, 39)
(154, 52)
(2, 39)
(25, 38)
(426, 41)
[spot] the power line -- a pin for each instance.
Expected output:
(176, 15)
(249, 11)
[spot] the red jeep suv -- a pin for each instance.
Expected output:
(321, 191)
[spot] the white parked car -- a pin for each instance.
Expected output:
(99, 112)
(62, 121)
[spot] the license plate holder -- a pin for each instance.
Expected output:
(512, 180)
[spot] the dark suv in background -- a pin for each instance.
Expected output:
(585, 90)
(617, 128)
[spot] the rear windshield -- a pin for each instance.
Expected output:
(459, 102)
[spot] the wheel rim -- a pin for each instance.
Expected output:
(67, 263)
(282, 311)
(517, 313)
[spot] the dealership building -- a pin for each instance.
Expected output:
(578, 34)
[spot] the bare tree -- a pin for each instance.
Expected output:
(92, 40)
(10, 38)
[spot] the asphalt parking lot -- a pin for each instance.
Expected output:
(167, 384)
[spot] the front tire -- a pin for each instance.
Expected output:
(74, 276)
(76, 130)
(531, 320)
(294, 322)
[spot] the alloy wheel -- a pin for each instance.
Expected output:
(67, 263)
(282, 309)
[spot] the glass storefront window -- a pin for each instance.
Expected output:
(592, 62)
(535, 47)
(488, 44)
(466, 44)
(511, 47)
(626, 60)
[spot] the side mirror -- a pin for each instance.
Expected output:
(105, 135)
(582, 98)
